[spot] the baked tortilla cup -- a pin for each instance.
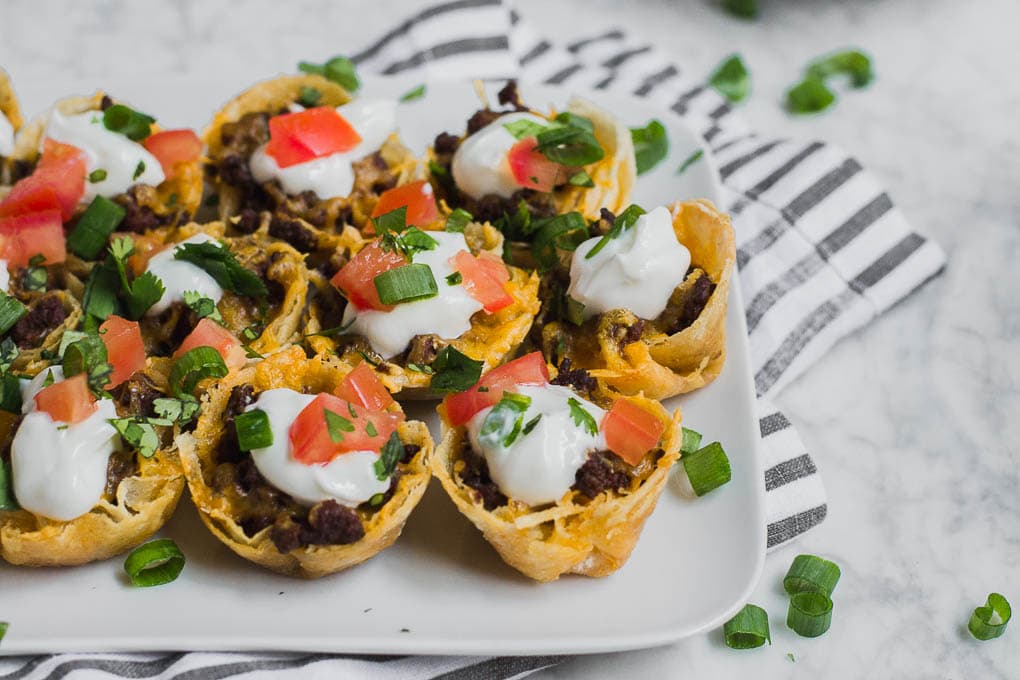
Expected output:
(613, 176)
(10, 109)
(223, 511)
(141, 495)
(241, 126)
(492, 338)
(172, 202)
(681, 350)
(575, 535)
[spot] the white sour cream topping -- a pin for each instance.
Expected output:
(179, 276)
(480, 166)
(61, 473)
(329, 176)
(6, 136)
(105, 150)
(447, 315)
(5, 277)
(539, 467)
(637, 270)
(349, 479)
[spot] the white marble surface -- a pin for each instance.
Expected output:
(914, 422)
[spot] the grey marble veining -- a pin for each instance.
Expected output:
(914, 422)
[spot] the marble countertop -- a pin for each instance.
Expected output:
(913, 422)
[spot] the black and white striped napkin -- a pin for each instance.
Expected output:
(820, 247)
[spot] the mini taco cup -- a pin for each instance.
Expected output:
(171, 202)
(241, 126)
(140, 496)
(576, 535)
(681, 350)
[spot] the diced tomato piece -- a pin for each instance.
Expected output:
(631, 431)
(171, 147)
(125, 349)
(494, 266)
(483, 281)
(313, 133)
(362, 387)
(24, 236)
(529, 369)
(68, 401)
(310, 442)
(417, 197)
(531, 169)
(28, 196)
(62, 166)
(356, 278)
(208, 333)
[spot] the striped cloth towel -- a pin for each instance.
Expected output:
(820, 247)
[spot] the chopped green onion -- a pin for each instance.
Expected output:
(531, 425)
(411, 95)
(810, 95)
(458, 220)
(193, 366)
(574, 311)
(219, 262)
(139, 169)
(853, 63)
(551, 234)
(154, 563)
(132, 124)
(308, 96)
(139, 433)
(811, 573)
(7, 499)
(338, 69)
(731, 79)
(689, 161)
(622, 223)
(97, 175)
(253, 430)
(11, 311)
(10, 393)
(454, 371)
(455, 279)
(336, 425)
(405, 284)
(420, 368)
(36, 277)
(503, 423)
(377, 499)
(747, 9)
(707, 468)
(581, 179)
(391, 453)
(522, 128)
(651, 145)
(748, 629)
(94, 227)
(691, 441)
(88, 355)
(582, 418)
(8, 353)
(990, 621)
(3, 629)
(810, 613)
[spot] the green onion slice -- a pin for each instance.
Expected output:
(731, 79)
(338, 69)
(411, 95)
(747, 9)
(582, 418)
(454, 371)
(622, 223)
(11, 311)
(406, 284)
(990, 621)
(810, 613)
(132, 124)
(651, 145)
(707, 468)
(689, 161)
(94, 227)
(194, 366)
(97, 175)
(308, 96)
(154, 563)
(810, 95)
(853, 63)
(811, 573)
(87, 351)
(748, 629)
(691, 441)
(253, 430)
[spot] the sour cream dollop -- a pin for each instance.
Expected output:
(59, 470)
(333, 175)
(447, 315)
(638, 270)
(5, 277)
(6, 136)
(349, 479)
(179, 276)
(540, 466)
(106, 150)
(480, 166)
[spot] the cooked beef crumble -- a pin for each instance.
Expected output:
(694, 303)
(603, 471)
(42, 319)
(578, 379)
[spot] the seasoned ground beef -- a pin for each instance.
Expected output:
(603, 471)
(694, 303)
(424, 349)
(246, 134)
(120, 466)
(476, 476)
(328, 523)
(294, 233)
(482, 118)
(248, 221)
(136, 394)
(446, 143)
(372, 175)
(625, 335)
(233, 169)
(577, 379)
(42, 319)
(509, 96)
(139, 218)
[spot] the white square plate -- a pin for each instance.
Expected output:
(440, 589)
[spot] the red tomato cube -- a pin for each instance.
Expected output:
(125, 349)
(68, 401)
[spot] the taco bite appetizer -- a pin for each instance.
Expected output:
(301, 147)
(643, 304)
(556, 483)
(305, 466)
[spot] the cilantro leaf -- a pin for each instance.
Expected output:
(139, 433)
(338, 69)
(622, 223)
(731, 79)
(810, 95)
(411, 95)
(503, 424)
(140, 294)
(454, 371)
(582, 418)
(391, 453)
(202, 306)
(689, 161)
(336, 425)
(651, 145)
(218, 262)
